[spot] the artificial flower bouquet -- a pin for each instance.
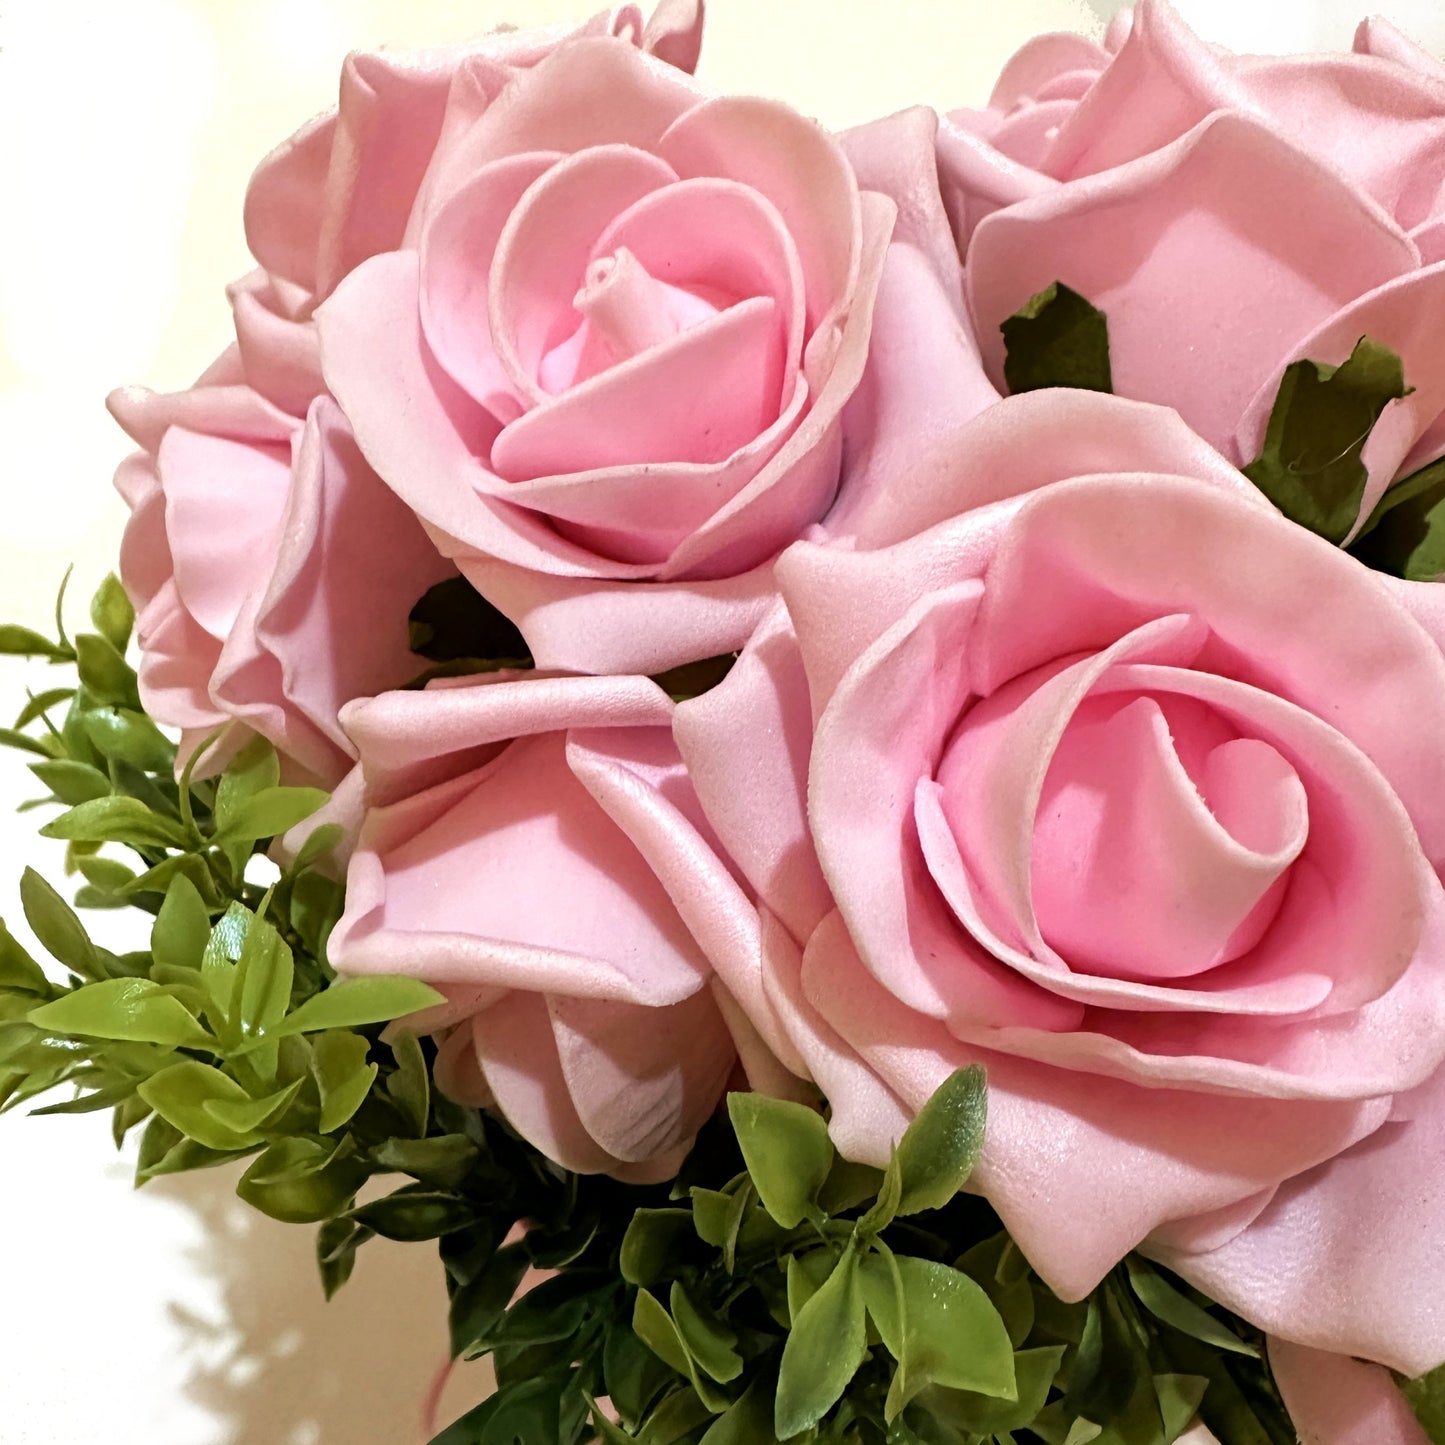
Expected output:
(823, 756)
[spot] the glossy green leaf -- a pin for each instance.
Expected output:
(129, 737)
(219, 959)
(302, 1180)
(123, 1008)
(343, 1076)
(268, 813)
(748, 1421)
(787, 1150)
(180, 1094)
(949, 1332)
(824, 1349)
(355, 1002)
(264, 975)
(940, 1147)
(1312, 465)
(116, 820)
(1057, 339)
(251, 1116)
(182, 927)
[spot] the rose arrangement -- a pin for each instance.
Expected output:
(835, 739)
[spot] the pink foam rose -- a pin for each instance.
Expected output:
(608, 366)
(531, 845)
(343, 187)
(1100, 773)
(1184, 190)
(271, 570)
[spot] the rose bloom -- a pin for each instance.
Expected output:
(531, 846)
(1230, 215)
(271, 570)
(1127, 788)
(342, 188)
(608, 364)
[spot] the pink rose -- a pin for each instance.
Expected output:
(609, 365)
(533, 848)
(1185, 191)
(343, 187)
(1134, 792)
(271, 570)
(1337, 1401)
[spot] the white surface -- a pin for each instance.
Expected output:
(127, 130)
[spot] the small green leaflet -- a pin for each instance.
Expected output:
(787, 1150)
(1057, 339)
(1311, 466)
(355, 1002)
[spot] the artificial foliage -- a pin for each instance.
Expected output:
(775, 1291)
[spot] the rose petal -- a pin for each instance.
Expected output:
(1334, 1400)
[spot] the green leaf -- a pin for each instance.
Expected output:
(849, 1184)
(749, 1421)
(106, 875)
(355, 1002)
(343, 1076)
(124, 1008)
(825, 1347)
(318, 844)
(22, 642)
(182, 927)
(129, 737)
(18, 970)
(264, 975)
(654, 1327)
(940, 1147)
(709, 1342)
(1311, 466)
(985, 1416)
(116, 820)
(10, 738)
(409, 1085)
(1057, 339)
(72, 783)
(415, 1213)
(303, 1181)
(254, 769)
(442, 1161)
(54, 923)
(1165, 1302)
(787, 1151)
(1405, 534)
(336, 1244)
(180, 1094)
(717, 1216)
(453, 622)
(252, 1115)
(218, 965)
(949, 1332)
(693, 679)
(40, 703)
(675, 1417)
(1426, 1397)
(607, 1432)
(112, 613)
(655, 1242)
(268, 813)
(884, 1209)
(107, 676)
(479, 1304)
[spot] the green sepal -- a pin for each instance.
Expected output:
(1405, 534)
(1057, 339)
(1311, 467)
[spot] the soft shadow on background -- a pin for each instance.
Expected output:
(127, 131)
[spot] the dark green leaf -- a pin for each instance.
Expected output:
(748, 1422)
(655, 1242)
(479, 1305)
(787, 1150)
(1405, 534)
(1311, 466)
(1427, 1399)
(940, 1147)
(1057, 339)
(709, 1342)
(301, 1180)
(453, 622)
(72, 783)
(409, 1086)
(826, 1346)
(336, 1244)
(442, 1161)
(1161, 1299)
(415, 1213)
(124, 1008)
(675, 1417)
(984, 1416)
(355, 1002)
(112, 613)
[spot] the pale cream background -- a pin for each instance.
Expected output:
(127, 131)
